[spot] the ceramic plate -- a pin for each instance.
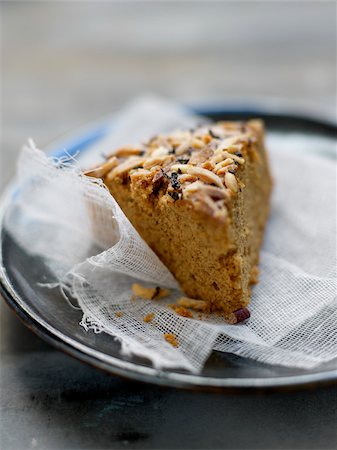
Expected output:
(47, 314)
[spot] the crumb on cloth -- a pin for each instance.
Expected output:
(171, 339)
(149, 317)
(118, 314)
(197, 305)
(154, 293)
(181, 310)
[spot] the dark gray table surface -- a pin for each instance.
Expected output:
(66, 63)
(51, 401)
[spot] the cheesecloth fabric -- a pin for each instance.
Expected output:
(95, 254)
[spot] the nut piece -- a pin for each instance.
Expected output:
(220, 156)
(201, 157)
(127, 151)
(149, 293)
(224, 163)
(197, 305)
(156, 160)
(203, 174)
(126, 166)
(231, 182)
(160, 151)
(238, 316)
(211, 191)
(171, 339)
(197, 143)
(186, 178)
(99, 172)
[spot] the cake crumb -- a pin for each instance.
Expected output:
(181, 310)
(254, 275)
(154, 293)
(118, 314)
(171, 339)
(197, 305)
(149, 317)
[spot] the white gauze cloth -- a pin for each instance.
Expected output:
(96, 254)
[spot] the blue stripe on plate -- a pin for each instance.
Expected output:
(81, 143)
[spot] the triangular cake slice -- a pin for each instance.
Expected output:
(200, 199)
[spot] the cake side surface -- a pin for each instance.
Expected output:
(200, 199)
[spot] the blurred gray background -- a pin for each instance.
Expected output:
(67, 63)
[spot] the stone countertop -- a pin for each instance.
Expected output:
(67, 63)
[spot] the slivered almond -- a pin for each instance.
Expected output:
(160, 151)
(127, 151)
(183, 147)
(193, 187)
(225, 169)
(214, 192)
(231, 182)
(102, 170)
(157, 160)
(187, 178)
(210, 191)
(126, 166)
(203, 174)
(139, 174)
(219, 156)
(225, 162)
(224, 144)
(197, 143)
(232, 142)
(208, 165)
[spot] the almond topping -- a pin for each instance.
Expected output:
(232, 143)
(231, 182)
(225, 162)
(211, 191)
(226, 169)
(160, 151)
(208, 165)
(127, 151)
(197, 143)
(102, 170)
(219, 156)
(126, 166)
(187, 178)
(157, 160)
(203, 174)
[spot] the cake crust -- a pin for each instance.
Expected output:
(200, 199)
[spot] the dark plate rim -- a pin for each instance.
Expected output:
(129, 370)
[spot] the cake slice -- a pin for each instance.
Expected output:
(200, 199)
